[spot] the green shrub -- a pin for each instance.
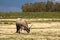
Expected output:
(5, 22)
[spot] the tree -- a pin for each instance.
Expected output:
(49, 6)
(41, 7)
(57, 6)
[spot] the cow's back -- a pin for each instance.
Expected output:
(21, 22)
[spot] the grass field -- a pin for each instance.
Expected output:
(39, 31)
(29, 15)
(45, 26)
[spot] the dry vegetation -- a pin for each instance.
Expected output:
(39, 31)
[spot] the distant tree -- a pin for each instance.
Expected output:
(41, 7)
(25, 7)
(49, 6)
(57, 6)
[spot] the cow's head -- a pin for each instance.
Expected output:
(27, 29)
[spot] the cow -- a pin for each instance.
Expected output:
(21, 24)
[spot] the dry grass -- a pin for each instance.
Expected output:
(39, 31)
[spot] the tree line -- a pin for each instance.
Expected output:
(48, 6)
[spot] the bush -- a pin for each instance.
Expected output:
(5, 22)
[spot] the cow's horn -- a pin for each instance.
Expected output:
(30, 26)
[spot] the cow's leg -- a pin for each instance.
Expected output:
(17, 28)
(21, 29)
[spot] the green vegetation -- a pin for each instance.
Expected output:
(29, 15)
(7, 22)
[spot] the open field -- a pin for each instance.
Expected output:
(39, 31)
(43, 20)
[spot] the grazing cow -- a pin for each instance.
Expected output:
(21, 24)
